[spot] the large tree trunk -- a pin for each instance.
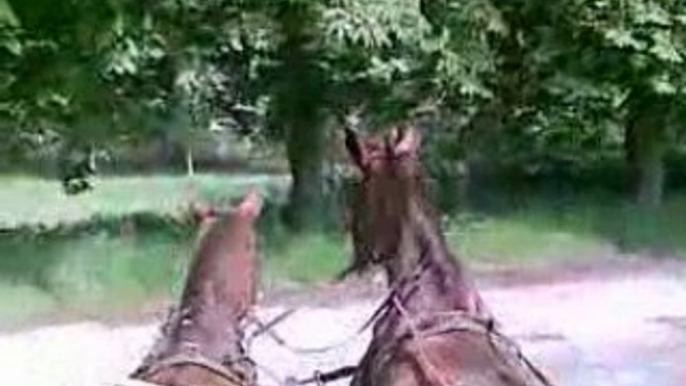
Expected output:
(190, 164)
(304, 147)
(298, 109)
(645, 150)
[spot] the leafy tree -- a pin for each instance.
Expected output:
(91, 74)
(547, 86)
(595, 63)
(333, 57)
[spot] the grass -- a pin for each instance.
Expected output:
(306, 259)
(106, 268)
(101, 271)
(537, 232)
(31, 201)
(518, 239)
(23, 302)
(89, 274)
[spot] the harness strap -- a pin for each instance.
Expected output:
(456, 321)
(237, 377)
(428, 368)
(514, 348)
(500, 343)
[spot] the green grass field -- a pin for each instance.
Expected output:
(31, 201)
(537, 232)
(103, 271)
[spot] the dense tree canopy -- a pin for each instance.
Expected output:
(612, 67)
(546, 86)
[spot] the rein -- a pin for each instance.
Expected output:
(321, 378)
(267, 328)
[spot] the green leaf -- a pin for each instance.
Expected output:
(652, 13)
(623, 38)
(473, 87)
(664, 49)
(7, 15)
(662, 85)
(12, 45)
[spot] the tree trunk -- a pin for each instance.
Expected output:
(651, 173)
(190, 166)
(645, 150)
(645, 147)
(298, 109)
(304, 147)
(630, 146)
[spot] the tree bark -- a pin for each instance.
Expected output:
(645, 150)
(298, 108)
(190, 164)
(304, 147)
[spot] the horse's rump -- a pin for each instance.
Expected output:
(447, 349)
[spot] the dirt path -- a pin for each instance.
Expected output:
(626, 331)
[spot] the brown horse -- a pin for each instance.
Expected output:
(201, 343)
(434, 329)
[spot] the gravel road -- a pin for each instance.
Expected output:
(624, 331)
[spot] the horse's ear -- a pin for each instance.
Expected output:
(202, 211)
(389, 142)
(355, 148)
(251, 205)
(408, 141)
(396, 135)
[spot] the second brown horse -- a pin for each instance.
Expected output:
(201, 343)
(434, 329)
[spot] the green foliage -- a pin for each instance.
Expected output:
(527, 237)
(563, 83)
(77, 272)
(306, 259)
(119, 70)
(539, 230)
(545, 87)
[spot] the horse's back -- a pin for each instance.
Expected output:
(465, 359)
